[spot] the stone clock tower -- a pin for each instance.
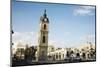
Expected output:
(43, 38)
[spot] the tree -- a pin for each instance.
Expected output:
(30, 53)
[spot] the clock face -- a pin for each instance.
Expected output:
(45, 19)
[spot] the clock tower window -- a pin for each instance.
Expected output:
(44, 26)
(43, 39)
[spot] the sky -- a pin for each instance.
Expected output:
(70, 25)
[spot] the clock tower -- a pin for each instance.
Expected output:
(43, 38)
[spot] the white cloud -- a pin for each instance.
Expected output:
(88, 7)
(57, 44)
(31, 38)
(84, 10)
(25, 38)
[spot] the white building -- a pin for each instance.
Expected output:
(80, 52)
(58, 54)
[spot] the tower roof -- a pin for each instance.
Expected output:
(44, 17)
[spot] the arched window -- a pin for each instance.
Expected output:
(84, 55)
(43, 39)
(77, 54)
(44, 26)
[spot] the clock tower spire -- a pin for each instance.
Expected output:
(45, 15)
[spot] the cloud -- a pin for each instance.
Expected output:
(25, 38)
(84, 10)
(57, 44)
(88, 7)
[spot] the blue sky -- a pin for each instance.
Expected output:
(69, 25)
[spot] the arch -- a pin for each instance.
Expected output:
(43, 39)
(44, 26)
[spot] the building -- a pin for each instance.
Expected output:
(43, 38)
(19, 51)
(84, 52)
(58, 54)
(51, 48)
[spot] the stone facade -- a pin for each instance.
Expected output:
(43, 38)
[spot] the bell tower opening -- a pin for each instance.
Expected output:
(43, 39)
(44, 26)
